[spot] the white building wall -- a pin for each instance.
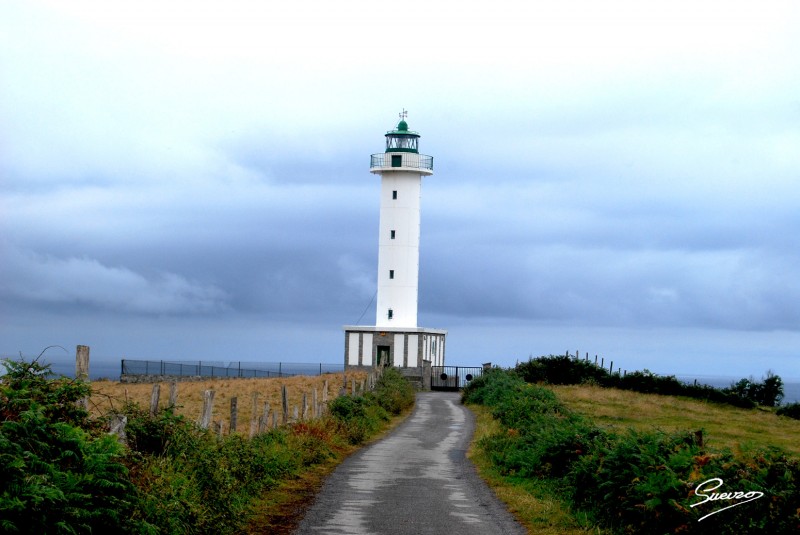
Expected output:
(366, 352)
(399, 349)
(413, 350)
(400, 254)
(439, 357)
(352, 349)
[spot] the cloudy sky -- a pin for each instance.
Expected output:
(190, 180)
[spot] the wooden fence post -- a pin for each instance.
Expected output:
(117, 427)
(611, 367)
(154, 397)
(314, 404)
(295, 414)
(208, 406)
(254, 415)
(324, 405)
(173, 394)
(305, 406)
(263, 421)
(285, 404)
(82, 363)
(234, 413)
(82, 371)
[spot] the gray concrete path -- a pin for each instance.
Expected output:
(416, 480)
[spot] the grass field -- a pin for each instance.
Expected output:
(723, 426)
(109, 396)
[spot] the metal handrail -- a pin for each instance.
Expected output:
(383, 160)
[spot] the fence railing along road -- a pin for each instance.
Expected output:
(233, 369)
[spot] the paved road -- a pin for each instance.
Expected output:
(415, 481)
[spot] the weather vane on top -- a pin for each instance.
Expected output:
(403, 114)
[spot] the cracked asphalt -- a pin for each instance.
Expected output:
(416, 480)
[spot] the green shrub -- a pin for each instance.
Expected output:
(769, 392)
(566, 370)
(792, 411)
(634, 482)
(191, 481)
(162, 434)
(56, 477)
(541, 436)
(638, 480)
(61, 473)
(492, 387)
(560, 370)
(359, 416)
(393, 391)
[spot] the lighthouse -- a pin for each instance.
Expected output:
(401, 169)
(396, 339)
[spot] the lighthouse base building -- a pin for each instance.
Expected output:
(395, 339)
(393, 346)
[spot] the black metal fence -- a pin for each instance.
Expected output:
(219, 369)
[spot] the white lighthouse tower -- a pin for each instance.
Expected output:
(396, 340)
(401, 169)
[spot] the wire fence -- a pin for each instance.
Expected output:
(220, 369)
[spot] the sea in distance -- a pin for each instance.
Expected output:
(111, 369)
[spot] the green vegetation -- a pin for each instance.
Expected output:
(57, 473)
(630, 481)
(791, 410)
(537, 503)
(61, 473)
(723, 425)
(565, 370)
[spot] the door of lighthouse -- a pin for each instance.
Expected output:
(382, 357)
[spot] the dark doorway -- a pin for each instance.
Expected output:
(382, 358)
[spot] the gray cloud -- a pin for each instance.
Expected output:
(614, 183)
(46, 280)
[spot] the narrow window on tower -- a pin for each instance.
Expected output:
(391, 313)
(394, 194)
(392, 234)
(391, 273)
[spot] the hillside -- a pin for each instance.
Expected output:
(723, 426)
(578, 458)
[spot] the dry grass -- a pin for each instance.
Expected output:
(109, 396)
(725, 426)
(531, 501)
